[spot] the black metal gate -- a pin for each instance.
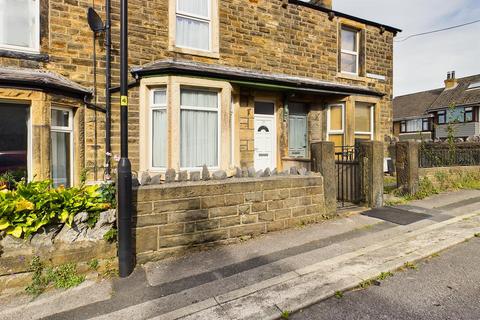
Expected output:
(349, 176)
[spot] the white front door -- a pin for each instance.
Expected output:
(264, 156)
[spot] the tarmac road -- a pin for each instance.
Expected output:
(443, 287)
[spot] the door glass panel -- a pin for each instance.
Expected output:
(337, 139)
(363, 117)
(336, 114)
(13, 140)
(264, 108)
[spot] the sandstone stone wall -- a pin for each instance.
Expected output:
(441, 176)
(255, 34)
(171, 218)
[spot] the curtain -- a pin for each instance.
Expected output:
(159, 139)
(60, 169)
(194, 7)
(198, 128)
(199, 138)
(414, 125)
(17, 22)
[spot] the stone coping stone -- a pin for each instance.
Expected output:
(226, 181)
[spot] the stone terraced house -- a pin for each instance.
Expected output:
(218, 82)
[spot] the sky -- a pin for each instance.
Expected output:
(422, 63)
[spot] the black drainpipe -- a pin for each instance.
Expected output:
(108, 84)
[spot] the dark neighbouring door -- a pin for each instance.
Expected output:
(14, 140)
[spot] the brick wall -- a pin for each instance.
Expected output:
(173, 217)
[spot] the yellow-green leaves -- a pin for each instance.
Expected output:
(34, 204)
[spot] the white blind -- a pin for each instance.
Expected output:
(198, 128)
(159, 129)
(414, 125)
(18, 23)
(193, 24)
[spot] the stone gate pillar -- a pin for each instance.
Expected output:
(407, 166)
(371, 162)
(323, 161)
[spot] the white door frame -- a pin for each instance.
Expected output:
(273, 117)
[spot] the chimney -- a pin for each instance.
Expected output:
(324, 3)
(451, 81)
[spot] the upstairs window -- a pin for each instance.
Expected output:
(349, 51)
(20, 25)
(193, 24)
(442, 117)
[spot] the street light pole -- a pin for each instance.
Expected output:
(125, 253)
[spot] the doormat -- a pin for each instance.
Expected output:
(398, 216)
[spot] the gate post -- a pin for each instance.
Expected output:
(371, 155)
(407, 166)
(323, 161)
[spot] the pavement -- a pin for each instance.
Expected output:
(445, 286)
(262, 277)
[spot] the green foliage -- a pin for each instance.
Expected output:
(477, 235)
(410, 265)
(62, 277)
(365, 284)
(93, 264)
(111, 235)
(110, 270)
(285, 314)
(33, 205)
(384, 275)
(338, 294)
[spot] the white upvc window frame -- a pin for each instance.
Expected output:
(335, 132)
(36, 32)
(190, 16)
(69, 130)
(372, 125)
(355, 53)
(194, 108)
(151, 109)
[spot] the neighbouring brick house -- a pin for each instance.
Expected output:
(218, 82)
(427, 114)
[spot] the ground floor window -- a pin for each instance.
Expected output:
(336, 124)
(364, 121)
(159, 128)
(62, 147)
(199, 123)
(297, 130)
(14, 121)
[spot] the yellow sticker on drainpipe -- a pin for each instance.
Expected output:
(124, 101)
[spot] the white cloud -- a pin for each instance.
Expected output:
(422, 63)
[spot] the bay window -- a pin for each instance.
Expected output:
(349, 62)
(199, 128)
(193, 24)
(20, 25)
(159, 128)
(297, 130)
(62, 147)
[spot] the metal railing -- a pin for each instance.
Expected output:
(434, 155)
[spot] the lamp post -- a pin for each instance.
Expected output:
(125, 253)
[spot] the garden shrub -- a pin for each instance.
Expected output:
(32, 205)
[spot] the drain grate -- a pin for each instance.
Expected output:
(398, 216)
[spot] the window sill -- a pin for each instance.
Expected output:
(24, 55)
(296, 159)
(200, 53)
(349, 76)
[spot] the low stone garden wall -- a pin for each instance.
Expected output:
(56, 245)
(170, 218)
(440, 176)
